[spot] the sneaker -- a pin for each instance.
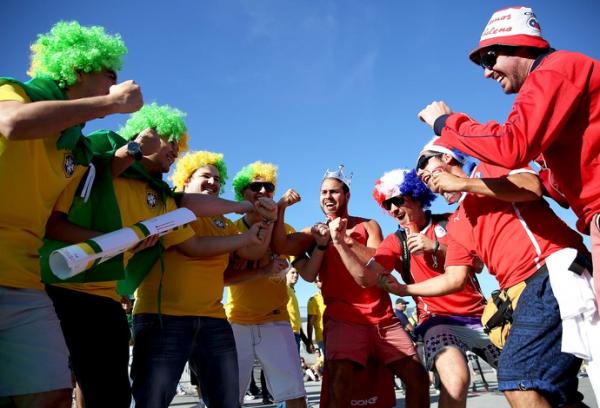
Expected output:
(249, 397)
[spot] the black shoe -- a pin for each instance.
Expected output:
(267, 400)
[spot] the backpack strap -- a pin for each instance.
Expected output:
(406, 276)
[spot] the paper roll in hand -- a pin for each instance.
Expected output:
(69, 261)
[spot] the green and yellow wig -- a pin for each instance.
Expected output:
(192, 161)
(70, 48)
(256, 170)
(167, 121)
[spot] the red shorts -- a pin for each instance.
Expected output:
(386, 342)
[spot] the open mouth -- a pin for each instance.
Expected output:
(209, 190)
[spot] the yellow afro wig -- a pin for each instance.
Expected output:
(192, 161)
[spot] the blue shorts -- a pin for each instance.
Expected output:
(531, 358)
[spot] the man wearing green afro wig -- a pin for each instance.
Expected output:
(42, 152)
(93, 322)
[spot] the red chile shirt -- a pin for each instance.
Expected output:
(344, 299)
(512, 239)
(557, 113)
(468, 302)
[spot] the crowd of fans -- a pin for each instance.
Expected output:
(69, 188)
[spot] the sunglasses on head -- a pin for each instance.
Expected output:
(397, 201)
(259, 185)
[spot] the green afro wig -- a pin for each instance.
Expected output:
(167, 121)
(253, 171)
(70, 48)
(188, 164)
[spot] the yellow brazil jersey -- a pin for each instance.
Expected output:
(33, 174)
(190, 286)
(316, 307)
(294, 311)
(137, 202)
(260, 300)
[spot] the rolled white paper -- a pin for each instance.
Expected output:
(74, 259)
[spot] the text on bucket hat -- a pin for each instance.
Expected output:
(514, 26)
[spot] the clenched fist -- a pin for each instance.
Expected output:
(126, 97)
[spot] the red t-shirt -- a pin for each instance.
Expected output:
(344, 299)
(468, 302)
(512, 239)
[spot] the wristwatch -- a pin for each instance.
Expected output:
(135, 150)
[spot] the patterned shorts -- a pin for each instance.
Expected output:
(464, 338)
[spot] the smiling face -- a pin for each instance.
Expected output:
(205, 180)
(409, 211)
(510, 71)
(292, 276)
(161, 161)
(333, 198)
(435, 164)
(251, 195)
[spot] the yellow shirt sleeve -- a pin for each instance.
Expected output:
(11, 92)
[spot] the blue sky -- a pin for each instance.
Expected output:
(306, 85)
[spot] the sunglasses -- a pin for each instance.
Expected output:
(259, 185)
(397, 201)
(488, 59)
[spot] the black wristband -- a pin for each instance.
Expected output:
(439, 124)
(322, 247)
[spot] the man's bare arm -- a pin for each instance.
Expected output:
(236, 276)
(512, 188)
(205, 246)
(256, 251)
(21, 121)
(452, 280)
(59, 228)
(293, 244)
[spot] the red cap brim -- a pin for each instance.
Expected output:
(521, 40)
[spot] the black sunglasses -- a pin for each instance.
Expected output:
(397, 201)
(488, 59)
(259, 185)
(424, 159)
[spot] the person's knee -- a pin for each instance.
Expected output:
(454, 372)
(455, 387)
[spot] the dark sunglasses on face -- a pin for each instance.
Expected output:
(259, 185)
(488, 59)
(397, 201)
